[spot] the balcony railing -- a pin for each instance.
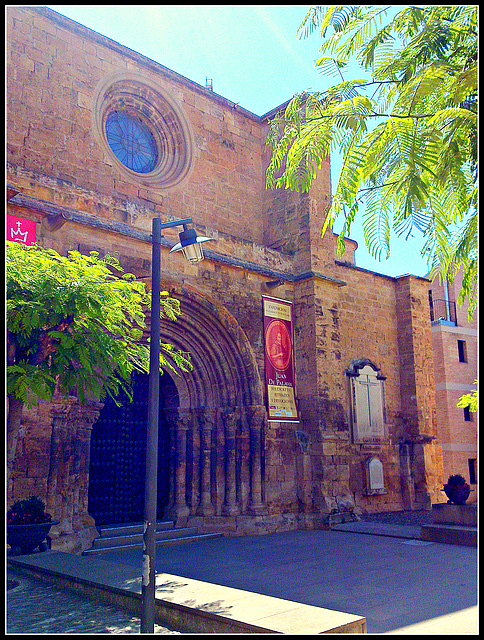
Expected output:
(443, 310)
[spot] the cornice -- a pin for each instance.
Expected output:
(56, 216)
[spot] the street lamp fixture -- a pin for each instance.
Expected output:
(190, 244)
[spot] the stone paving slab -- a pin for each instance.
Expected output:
(393, 582)
(379, 529)
(461, 622)
(189, 604)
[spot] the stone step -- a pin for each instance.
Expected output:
(134, 538)
(111, 530)
(159, 543)
(130, 537)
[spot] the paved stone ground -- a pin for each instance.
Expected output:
(406, 518)
(37, 607)
(30, 605)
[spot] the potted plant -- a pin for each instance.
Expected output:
(28, 525)
(456, 489)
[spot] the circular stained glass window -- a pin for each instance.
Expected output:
(131, 141)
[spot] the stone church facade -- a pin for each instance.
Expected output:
(362, 340)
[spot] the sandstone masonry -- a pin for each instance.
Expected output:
(229, 468)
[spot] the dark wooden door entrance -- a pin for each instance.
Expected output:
(118, 455)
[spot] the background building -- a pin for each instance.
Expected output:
(77, 102)
(454, 340)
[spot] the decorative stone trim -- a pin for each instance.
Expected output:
(138, 95)
(354, 369)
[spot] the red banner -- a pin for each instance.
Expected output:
(21, 230)
(279, 360)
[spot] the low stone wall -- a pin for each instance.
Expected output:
(457, 514)
(460, 514)
(452, 524)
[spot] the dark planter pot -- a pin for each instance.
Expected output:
(28, 537)
(457, 494)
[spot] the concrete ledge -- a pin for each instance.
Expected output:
(220, 609)
(449, 534)
(187, 605)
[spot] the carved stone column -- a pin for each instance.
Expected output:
(88, 415)
(230, 507)
(257, 421)
(218, 462)
(181, 508)
(61, 455)
(68, 478)
(54, 457)
(243, 458)
(206, 507)
(171, 420)
(193, 463)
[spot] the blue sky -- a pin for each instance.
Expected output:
(253, 57)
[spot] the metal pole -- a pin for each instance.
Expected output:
(446, 296)
(151, 477)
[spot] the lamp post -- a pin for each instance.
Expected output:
(190, 245)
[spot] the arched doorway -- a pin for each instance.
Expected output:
(118, 454)
(212, 429)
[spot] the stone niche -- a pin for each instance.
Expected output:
(375, 480)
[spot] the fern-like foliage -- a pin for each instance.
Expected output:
(407, 130)
(76, 323)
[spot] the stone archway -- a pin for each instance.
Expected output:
(225, 372)
(213, 449)
(217, 454)
(217, 428)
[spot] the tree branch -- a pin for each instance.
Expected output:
(48, 345)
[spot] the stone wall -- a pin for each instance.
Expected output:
(235, 471)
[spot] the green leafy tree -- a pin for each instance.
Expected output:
(469, 400)
(74, 324)
(406, 130)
